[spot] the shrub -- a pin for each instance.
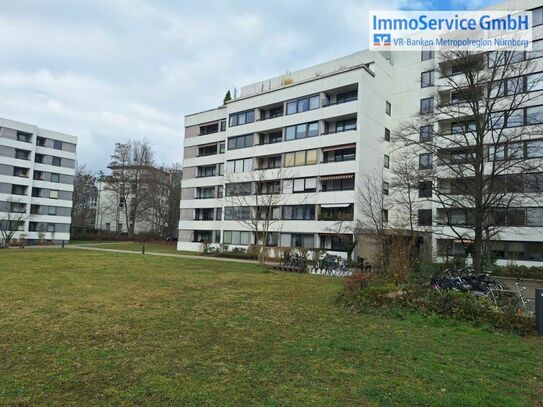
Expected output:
(535, 272)
(450, 304)
(356, 282)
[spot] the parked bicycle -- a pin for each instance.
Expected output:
(331, 265)
(295, 261)
(465, 279)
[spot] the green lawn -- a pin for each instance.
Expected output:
(136, 247)
(91, 328)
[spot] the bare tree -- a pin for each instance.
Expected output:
(344, 231)
(255, 199)
(162, 198)
(84, 188)
(12, 218)
(475, 128)
(131, 164)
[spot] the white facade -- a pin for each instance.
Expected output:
(37, 169)
(376, 78)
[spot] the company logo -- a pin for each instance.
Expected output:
(450, 30)
(381, 40)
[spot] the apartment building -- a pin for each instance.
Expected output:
(315, 134)
(37, 168)
(310, 135)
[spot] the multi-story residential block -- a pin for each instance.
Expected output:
(37, 168)
(115, 199)
(315, 134)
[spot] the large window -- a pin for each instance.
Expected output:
(25, 137)
(236, 237)
(237, 213)
(237, 119)
(299, 212)
(57, 161)
(303, 104)
(209, 129)
(346, 125)
(208, 171)
(237, 166)
(57, 144)
(427, 79)
(302, 131)
(240, 188)
(298, 158)
(347, 97)
(337, 183)
(235, 143)
(426, 105)
(337, 155)
(300, 185)
(23, 155)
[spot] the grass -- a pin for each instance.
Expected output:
(136, 247)
(94, 328)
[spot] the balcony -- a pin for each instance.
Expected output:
(269, 138)
(336, 212)
(268, 163)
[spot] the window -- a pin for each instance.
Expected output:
(534, 149)
(52, 210)
(51, 227)
(237, 166)
(347, 97)
(426, 55)
(237, 119)
(236, 237)
(20, 172)
(346, 125)
(427, 79)
(303, 104)
(240, 188)
(302, 131)
(18, 189)
(209, 129)
(238, 142)
(220, 169)
(24, 137)
(534, 115)
(386, 188)
(299, 212)
(21, 154)
(426, 133)
(40, 141)
(387, 134)
(337, 183)
(53, 194)
(425, 217)
(301, 185)
(57, 161)
(55, 177)
(307, 157)
(344, 154)
(515, 118)
(425, 189)
(463, 127)
(237, 213)
(537, 16)
(57, 144)
(426, 105)
(222, 148)
(208, 171)
(385, 215)
(38, 175)
(388, 108)
(534, 82)
(39, 158)
(425, 161)
(534, 216)
(223, 125)
(386, 161)
(302, 240)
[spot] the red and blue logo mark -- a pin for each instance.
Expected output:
(381, 40)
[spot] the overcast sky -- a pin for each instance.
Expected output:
(110, 70)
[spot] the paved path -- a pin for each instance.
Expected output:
(182, 256)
